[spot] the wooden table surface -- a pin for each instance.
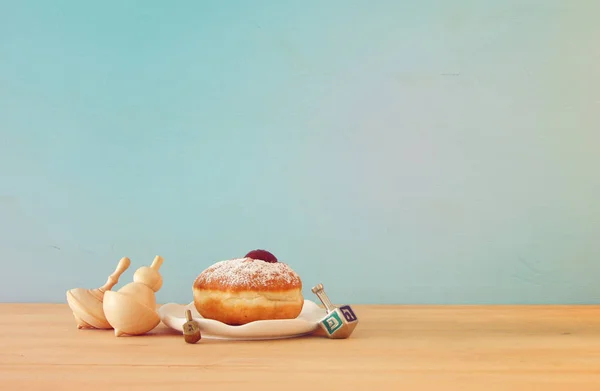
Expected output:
(393, 348)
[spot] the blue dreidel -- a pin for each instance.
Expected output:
(339, 322)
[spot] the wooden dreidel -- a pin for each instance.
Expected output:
(339, 322)
(87, 304)
(191, 329)
(132, 309)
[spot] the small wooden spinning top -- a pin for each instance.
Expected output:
(87, 304)
(132, 309)
(191, 329)
(340, 322)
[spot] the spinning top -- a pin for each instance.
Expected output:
(339, 322)
(132, 309)
(87, 304)
(191, 329)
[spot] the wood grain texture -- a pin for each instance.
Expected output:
(393, 348)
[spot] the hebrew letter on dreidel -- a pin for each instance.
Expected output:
(339, 322)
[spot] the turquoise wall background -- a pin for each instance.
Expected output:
(397, 151)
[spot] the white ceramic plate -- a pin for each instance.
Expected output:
(173, 315)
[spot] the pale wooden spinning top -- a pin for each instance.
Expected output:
(340, 322)
(87, 304)
(132, 309)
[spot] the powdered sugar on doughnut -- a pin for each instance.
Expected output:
(247, 273)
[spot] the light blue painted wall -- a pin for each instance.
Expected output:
(397, 151)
